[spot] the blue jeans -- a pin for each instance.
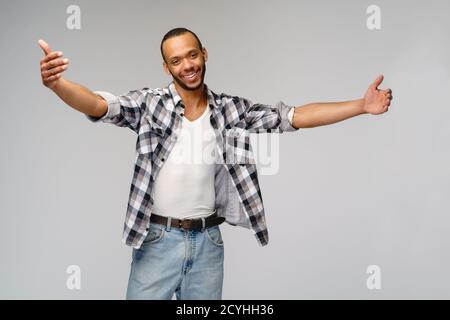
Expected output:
(171, 260)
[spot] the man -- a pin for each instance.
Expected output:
(176, 204)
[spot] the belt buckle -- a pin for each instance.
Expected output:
(181, 224)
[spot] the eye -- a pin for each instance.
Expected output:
(174, 61)
(194, 55)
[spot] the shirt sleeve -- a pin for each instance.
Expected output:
(291, 116)
(265, 118)
(123, 110)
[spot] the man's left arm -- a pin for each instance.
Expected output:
(375, 101)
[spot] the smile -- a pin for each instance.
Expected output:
(191, 76)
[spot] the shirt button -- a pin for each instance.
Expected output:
(182, 114)
(163, 159)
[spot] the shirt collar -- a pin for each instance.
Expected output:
(213, 99)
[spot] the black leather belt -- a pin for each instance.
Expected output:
(188, 224)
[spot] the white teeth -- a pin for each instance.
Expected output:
(190, 76)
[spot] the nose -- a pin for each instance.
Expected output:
(187, 65)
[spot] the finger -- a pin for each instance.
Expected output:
(377, 81)
(54, 63)
(54, 71)
(44, 46)
(53, 78)
(51, 56)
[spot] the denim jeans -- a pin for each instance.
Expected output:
(171, 260)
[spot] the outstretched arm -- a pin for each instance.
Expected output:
(375, 101)
(73, 94)
(123, 110)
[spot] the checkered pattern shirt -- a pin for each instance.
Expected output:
(156, 114)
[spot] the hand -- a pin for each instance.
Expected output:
(377, 101)
(52, 65)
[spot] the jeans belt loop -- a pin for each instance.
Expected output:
(169, 224)
(203, 224)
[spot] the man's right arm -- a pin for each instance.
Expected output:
(73, 94)
(81, 98)
(123, 110)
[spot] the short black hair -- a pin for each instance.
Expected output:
(178, 32)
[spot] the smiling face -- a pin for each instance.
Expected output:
(185, 61)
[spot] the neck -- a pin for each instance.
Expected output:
(192, 99)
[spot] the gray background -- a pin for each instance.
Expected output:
(370, 190)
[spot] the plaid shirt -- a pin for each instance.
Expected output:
(156, 114)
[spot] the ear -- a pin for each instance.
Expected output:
(166, 68)
(205, 54)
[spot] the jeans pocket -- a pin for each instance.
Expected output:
(214, 235)
(155, 234)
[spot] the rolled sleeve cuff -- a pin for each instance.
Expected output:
(287, 117)
(113, 106)
(291, 115)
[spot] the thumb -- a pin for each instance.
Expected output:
(44, 46)
(377, 82)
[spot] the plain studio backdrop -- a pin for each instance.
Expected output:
(370, 191)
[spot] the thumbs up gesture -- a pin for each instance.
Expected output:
(52, 65)
(377, 101)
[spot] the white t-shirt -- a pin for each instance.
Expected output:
(184, 187)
